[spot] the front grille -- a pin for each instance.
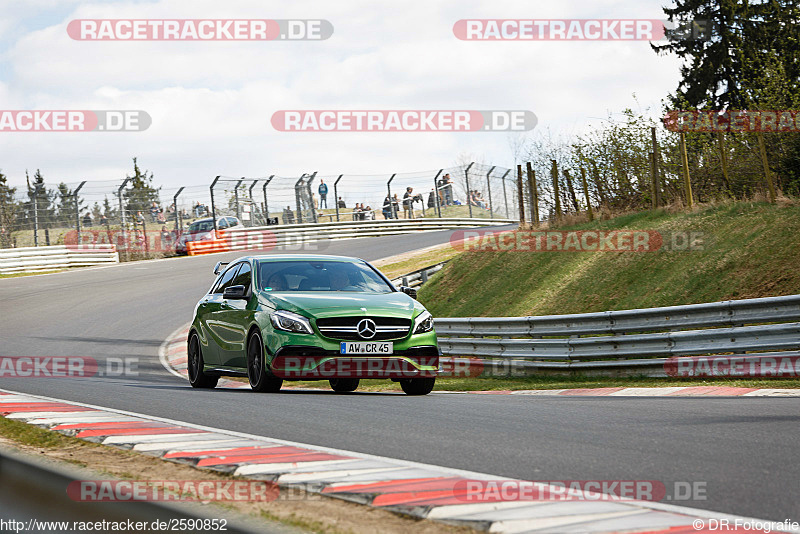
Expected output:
(344, 328)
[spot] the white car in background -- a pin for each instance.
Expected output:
(203, 230)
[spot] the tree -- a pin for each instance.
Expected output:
(8, 212)
(39, 205)
(141, 194)
(66, 205)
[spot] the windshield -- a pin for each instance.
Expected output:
(311, 275)
(201, 226)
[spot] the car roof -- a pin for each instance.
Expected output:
(290, 257)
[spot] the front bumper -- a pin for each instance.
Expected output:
(298, 362)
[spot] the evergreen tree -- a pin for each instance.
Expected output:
(8, 212)
(43, 207)
(141, 194)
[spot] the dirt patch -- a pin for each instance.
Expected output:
(308, 512)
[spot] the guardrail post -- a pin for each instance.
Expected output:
(466, 177)
(436, 194)
(122, 215)
(389, 191)
(77, 211)
(505, 197)
(489, 190)
(520, 195)
(336, 195)
(250, 192)
(213, 206)
(266, 205)
(534, 191)
(178, 221)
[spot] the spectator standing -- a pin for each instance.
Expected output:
(387, 208)
(395, 206)
(323, 193)
(369, 215)
(87, 219)
(154, 211)
(408, 203)
(342, 205)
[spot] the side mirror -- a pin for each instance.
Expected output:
(218, 267)
(235, 293)
(410, 291)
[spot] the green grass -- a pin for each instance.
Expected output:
(32, 435)
(17, 275)
(751, 250)
(563, 382)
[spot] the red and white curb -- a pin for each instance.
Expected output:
(174, 359)
(420, 490)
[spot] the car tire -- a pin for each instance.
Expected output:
(195, 363)
(260, 378)
(417, 386)
(343, 385)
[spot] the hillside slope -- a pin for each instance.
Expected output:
(744, 250)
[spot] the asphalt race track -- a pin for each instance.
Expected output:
(743, 449)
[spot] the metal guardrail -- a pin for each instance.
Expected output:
(272, 236)
(418, 277)
(583, 341)
(33, 259)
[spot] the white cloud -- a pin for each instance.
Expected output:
(211, 103)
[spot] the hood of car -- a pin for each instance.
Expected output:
(340, 303)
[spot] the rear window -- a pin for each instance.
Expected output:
(310, 275)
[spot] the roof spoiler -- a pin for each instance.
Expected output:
(219, 265)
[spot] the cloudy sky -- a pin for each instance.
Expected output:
(211, 102)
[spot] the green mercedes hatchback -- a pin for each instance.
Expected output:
(310, 317)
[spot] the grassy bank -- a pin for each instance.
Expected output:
(742, 250)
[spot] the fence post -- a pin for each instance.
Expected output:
(586, 194)
(653, 188)
(307, 185)
(266, 204)
(466, 177)
(389, 191)
(336, 195)
(35, 215)
(213, 206)
(77, 211)
(252, 203)
(687, 182)
(297, 199)
(436, 193)
(489, 190)
(236, 197)
(520, 196)
(723, 155)
(556, 192)
(122, 216)
(656, 180)
(534, 194)
(767, 173)
(178, 221)
(505, 197)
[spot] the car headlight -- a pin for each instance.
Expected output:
(291, 322)
(423, 323)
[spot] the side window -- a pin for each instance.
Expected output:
(232, 221)
(226, 278)
(222, 223)
(244, 276)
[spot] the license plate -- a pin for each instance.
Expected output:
(366, 347)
